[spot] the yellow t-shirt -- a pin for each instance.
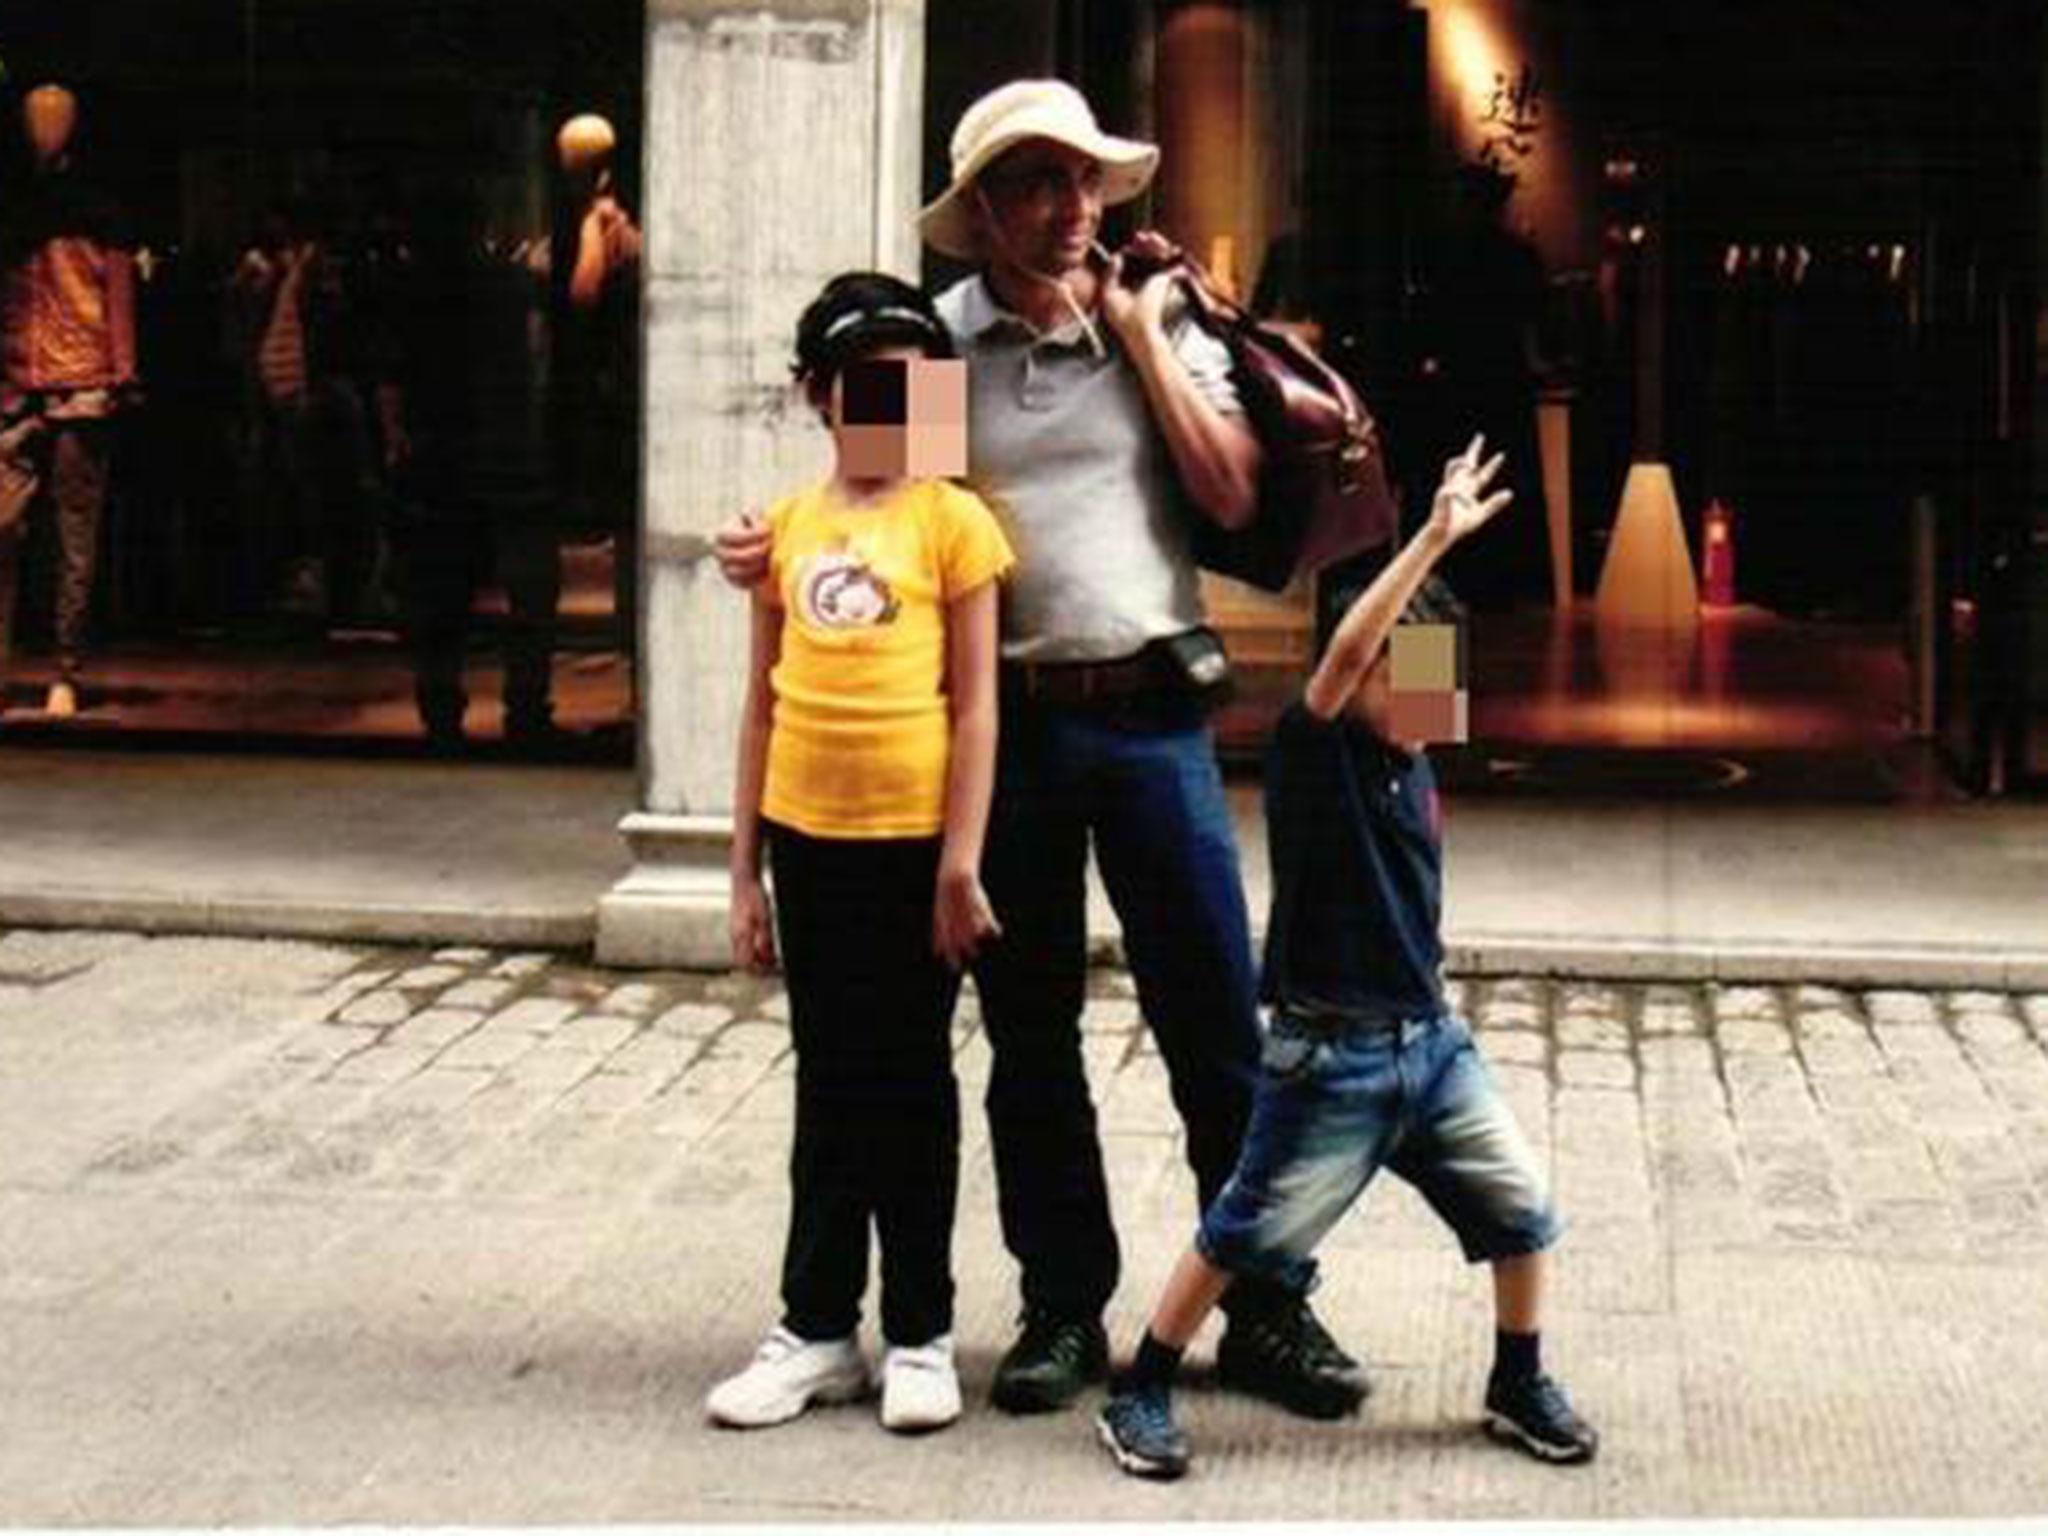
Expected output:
(860, 737)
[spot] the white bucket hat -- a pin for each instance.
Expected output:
(1005, 117)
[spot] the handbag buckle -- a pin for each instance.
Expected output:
(1353, 454)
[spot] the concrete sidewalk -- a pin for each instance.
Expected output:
(1933, 895)
(317, 1234)
(309, 847)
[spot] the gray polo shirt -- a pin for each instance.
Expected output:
(1062, 444)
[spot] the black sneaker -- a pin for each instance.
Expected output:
(1325, 1351)
(1286, 1356)
(1052, 1360)
(1137, 1426)
(1534, 1413)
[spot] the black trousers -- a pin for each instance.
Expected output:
(877, 1109)
(444, 558)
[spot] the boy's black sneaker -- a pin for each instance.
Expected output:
(1534, 1413)
(1137, 1426)
(1053, 1359)
(1286, 1356)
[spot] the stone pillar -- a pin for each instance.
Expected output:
(783, 145)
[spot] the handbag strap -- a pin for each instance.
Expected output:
(1226, 319)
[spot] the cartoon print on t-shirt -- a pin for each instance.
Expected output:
(837, 589)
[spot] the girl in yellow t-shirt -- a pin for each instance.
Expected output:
(866, 763)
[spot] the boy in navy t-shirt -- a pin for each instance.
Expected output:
(1364, 1067)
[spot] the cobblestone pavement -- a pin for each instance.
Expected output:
(310, 1233)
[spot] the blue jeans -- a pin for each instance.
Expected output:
(1150, 796)
(1335, 1105)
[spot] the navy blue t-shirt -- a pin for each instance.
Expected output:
(1355, 831)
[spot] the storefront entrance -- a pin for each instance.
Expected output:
(372, 482)
(1775, 251)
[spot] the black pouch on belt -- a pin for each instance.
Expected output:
(1197, 664)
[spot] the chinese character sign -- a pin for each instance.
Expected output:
(1514, 113)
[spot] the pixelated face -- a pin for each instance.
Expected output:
(898, 413)
(1416, 692)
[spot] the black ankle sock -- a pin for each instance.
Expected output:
(1517, 1355)
(1155, 1364)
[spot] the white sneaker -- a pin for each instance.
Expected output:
(787, 1375)
(920, 1390)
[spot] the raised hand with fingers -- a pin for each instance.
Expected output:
(1462, 503)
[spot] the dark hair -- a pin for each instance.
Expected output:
(1433, 603)
(858, 313)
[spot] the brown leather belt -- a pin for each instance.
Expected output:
(1083, 682)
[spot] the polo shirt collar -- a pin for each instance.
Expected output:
(981, 312)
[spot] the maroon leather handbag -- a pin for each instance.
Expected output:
(1323, 487)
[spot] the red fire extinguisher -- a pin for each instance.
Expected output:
(1717, 565)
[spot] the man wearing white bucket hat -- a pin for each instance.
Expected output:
(1091, 411)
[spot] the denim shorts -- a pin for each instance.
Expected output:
(1336, 1103)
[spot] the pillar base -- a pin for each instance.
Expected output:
(673, 908)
